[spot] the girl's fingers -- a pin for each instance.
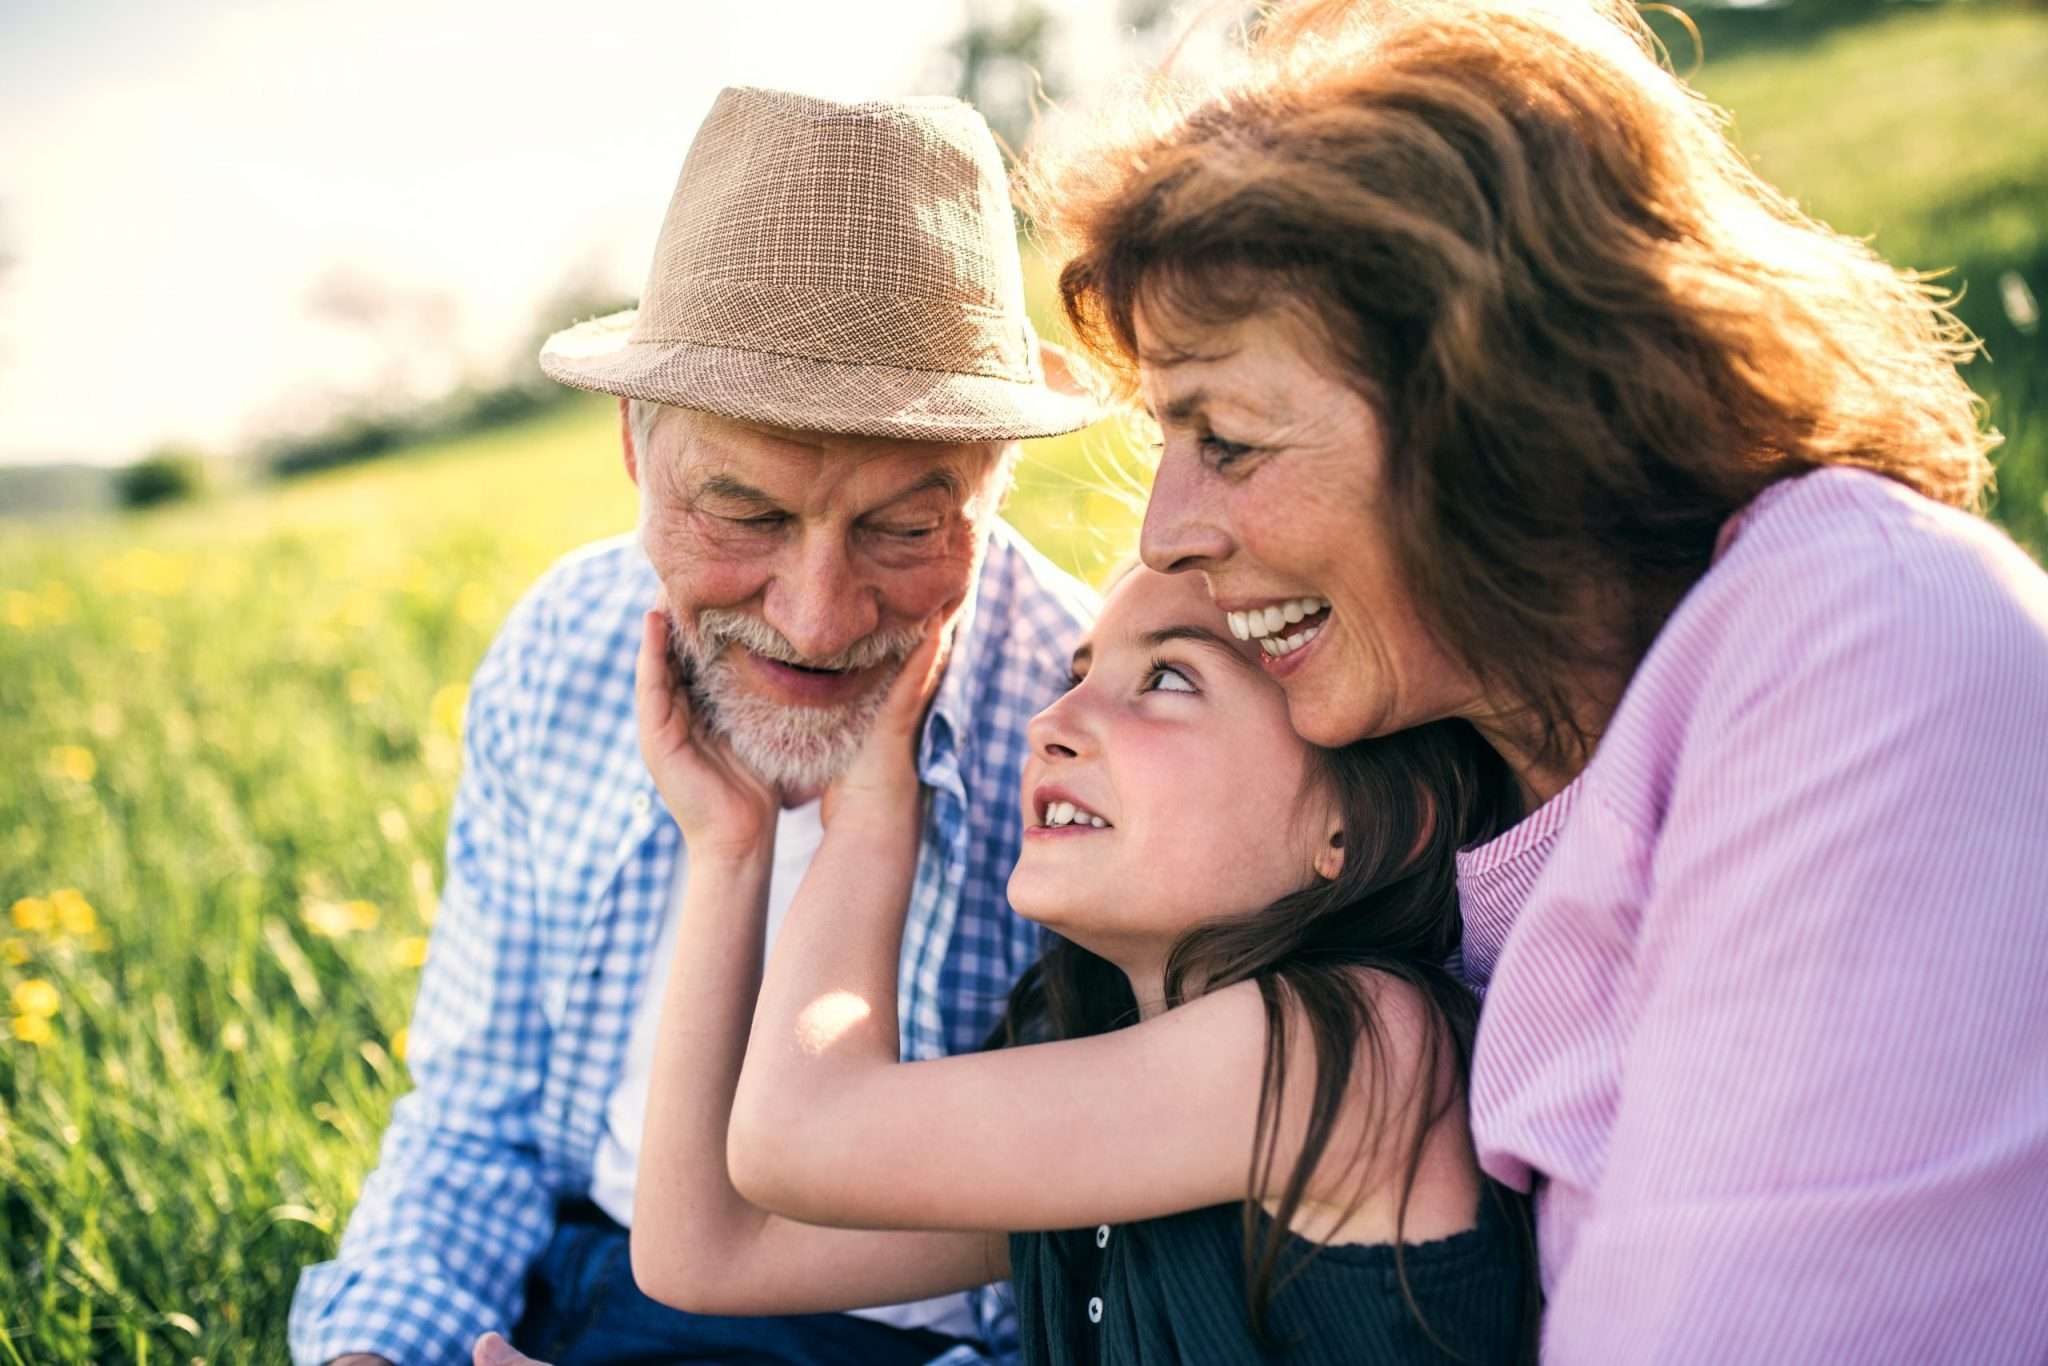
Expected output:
(663, 713)
(921, 674)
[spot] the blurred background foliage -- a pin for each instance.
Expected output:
(233, 724)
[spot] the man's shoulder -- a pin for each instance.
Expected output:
(1030, 610)
(576, 623)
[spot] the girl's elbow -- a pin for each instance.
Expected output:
(762, 1171)
(760, 1154)
(666, 1271)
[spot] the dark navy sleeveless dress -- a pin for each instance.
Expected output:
(1168, 1291)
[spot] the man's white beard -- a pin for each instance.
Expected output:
(794, 748)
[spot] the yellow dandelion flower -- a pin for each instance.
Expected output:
(34, 914)
(36, 997)
(357, 610)
(75, 914)
(146, 635)
(233, 1037)
(398, 1043)
(391, 824)
(20, 609)
(106, 720)
(447, 707)
(56, 602)
(363, 686)
(14, 952)
(473, 604)
(423, 797)
(410, 952)
(33, 1029)
(74, 762)
(328, 919)
(362, 915)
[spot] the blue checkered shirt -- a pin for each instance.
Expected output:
(560, 861)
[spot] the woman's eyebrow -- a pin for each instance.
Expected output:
(1198, 635)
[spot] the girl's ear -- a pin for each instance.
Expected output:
(1330, 858)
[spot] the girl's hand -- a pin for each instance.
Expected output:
(882, 779)
(724, 809)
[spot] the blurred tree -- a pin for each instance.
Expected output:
(1010, 54)
(169, 475)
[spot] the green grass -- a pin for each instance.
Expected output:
(230, 734)
(1925, 131)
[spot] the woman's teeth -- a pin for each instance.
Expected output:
(1066, 813)
(1268, 625)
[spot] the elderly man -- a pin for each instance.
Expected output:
(820, 399)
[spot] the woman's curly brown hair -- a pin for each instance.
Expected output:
(1591, 332)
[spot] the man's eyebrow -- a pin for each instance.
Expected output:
(726, 486)
(1198, 635)
(939, 477)
(723, 485)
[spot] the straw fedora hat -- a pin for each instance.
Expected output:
(836, 267)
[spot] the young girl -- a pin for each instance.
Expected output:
(1228, 1119)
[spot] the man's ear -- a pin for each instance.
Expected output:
(626, 441)
(1330, 858)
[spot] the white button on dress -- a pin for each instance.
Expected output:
(642, 804)
(1095, 1309)
(1102, 1235)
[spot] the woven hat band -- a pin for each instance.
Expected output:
(844, 326)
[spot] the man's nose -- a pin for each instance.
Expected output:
(1181, 530)
(817, 601)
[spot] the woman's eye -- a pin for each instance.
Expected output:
(1166, 678)
(1220, 452)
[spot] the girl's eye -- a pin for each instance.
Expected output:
(1166, 678)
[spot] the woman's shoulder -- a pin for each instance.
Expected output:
(1844, 576)
(1841, 607)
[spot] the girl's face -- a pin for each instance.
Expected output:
(1166, 787)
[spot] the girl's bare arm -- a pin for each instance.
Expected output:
(697, 1243)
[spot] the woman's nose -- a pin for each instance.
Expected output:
(1181, 531)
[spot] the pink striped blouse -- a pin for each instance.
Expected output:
(1766, 1011)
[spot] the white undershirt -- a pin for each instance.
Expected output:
(798, 833)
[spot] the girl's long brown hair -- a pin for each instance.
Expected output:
(1591, 332)
(1407, 803)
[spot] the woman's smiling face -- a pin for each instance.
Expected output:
(1272, 483)
(1166, 787)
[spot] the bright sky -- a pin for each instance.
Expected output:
(178, 175)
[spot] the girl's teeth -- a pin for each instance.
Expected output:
(1292, 611)
(1066, 813)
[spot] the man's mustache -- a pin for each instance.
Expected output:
(718, 627)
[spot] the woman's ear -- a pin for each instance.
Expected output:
(1330, 858)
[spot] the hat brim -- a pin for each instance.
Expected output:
(809, 395)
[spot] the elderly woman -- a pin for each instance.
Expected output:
(1493, 384)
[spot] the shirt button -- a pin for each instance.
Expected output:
(1095, 1309)
(1102, 1235)
(642, 804)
